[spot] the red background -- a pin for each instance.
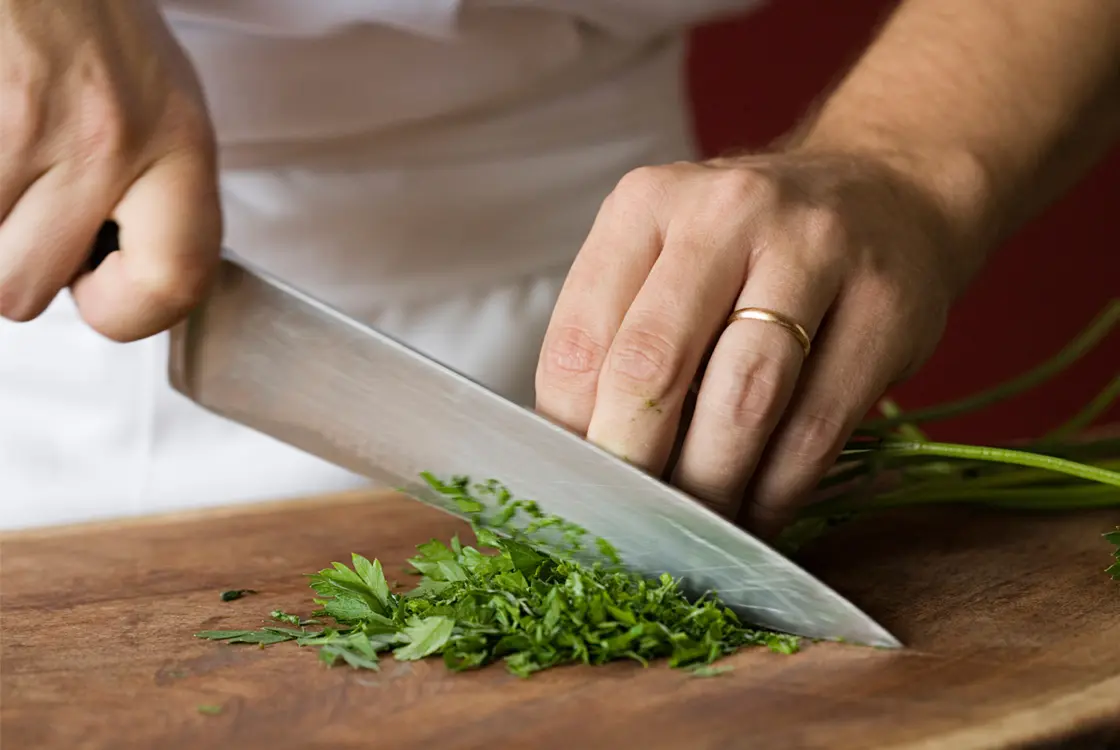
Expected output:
(751, 79)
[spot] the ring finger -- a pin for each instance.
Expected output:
(750, 379)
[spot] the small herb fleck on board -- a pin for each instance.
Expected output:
(710, 670)
(234, 594)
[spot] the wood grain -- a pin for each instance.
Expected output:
(1012, 633)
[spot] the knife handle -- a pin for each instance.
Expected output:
(107, 241)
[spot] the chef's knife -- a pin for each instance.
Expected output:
(261, 353)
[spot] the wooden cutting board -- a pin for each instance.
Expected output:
(1013, 635)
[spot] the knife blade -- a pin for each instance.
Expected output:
(270, 357)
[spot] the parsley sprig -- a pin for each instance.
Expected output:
(518, 604)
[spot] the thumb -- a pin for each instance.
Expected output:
(170, 242)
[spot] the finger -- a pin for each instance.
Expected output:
(21, 130)
(619, 252)
(15, 180)
(851, 368)
(659, 346)
(170, 243)
(750, 378)
(45, 237)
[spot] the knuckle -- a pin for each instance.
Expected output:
(644, 358)
(102, 131)
(646, 185)
(171, 290)
(188, 124)
(771, 505)
(19, 306)
(737, 189)
(823, 228)
(21, 120)
(752, 398)
(818, 434)
(26, 66)
(571, 356)
(883, 292)
(16, 314)
(110, 328)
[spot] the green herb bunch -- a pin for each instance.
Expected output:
(890, 462)
(519, 604)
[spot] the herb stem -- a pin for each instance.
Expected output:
(1098, 406)
(891, 410)
(1067, 498)
(1081, 449)
(1005, 478)
(1083, 343)
(1002, 455)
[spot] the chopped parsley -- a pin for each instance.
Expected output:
(513, 603)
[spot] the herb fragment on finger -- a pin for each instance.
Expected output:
(210, 710)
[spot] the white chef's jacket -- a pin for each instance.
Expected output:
(428, 166)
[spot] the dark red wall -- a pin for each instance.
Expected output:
(751, 79)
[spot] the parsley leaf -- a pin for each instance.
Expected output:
(356, 649)
(265, 637)
(221, 635)
(425, 637)
(372, 575)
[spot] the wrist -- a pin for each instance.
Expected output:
(955, 183)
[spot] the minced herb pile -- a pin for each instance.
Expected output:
(530, 609)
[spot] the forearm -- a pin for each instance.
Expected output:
(996, 106)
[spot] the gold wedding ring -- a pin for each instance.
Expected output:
(769, 316)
